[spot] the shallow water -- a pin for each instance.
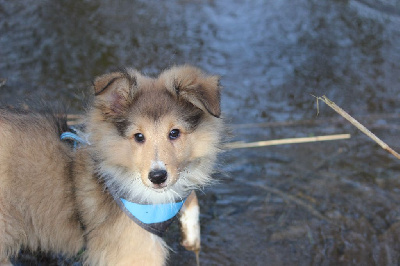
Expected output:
(324, 203)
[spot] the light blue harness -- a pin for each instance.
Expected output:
(155, 218)
(155, 213)
(74, 137)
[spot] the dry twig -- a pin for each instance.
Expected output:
(358, 125)
(240, 145)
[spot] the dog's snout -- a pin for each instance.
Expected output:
(158, 176)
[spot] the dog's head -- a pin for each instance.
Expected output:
(156, 139)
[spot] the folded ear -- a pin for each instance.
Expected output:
(192, 85)
(114, 92)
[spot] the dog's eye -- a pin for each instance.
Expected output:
(139, 137)
(174, 134)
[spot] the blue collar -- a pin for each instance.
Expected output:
(154, 218)
(157, 213)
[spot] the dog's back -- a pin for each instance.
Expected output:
(36, 192)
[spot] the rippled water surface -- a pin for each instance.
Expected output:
(325, 203)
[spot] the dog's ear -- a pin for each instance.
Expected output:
(193, 85)
(114, 92)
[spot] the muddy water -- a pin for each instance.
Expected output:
(328, 203)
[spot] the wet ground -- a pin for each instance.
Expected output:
(326, 203)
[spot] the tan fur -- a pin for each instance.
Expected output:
(55, 198)
(30, 182)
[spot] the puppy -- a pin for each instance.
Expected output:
(112, 188)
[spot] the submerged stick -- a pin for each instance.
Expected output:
(197, 252)
(292, 199)
(240, 145)
(357, 124)
(2, 82)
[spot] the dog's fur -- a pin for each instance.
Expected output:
(55, 198)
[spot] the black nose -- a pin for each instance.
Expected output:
(158, 176)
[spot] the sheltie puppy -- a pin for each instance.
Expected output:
(111, 188)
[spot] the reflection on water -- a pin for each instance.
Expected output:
(271, 55)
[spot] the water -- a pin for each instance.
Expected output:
(323, 203)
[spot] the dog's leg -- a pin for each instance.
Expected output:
(189, 218)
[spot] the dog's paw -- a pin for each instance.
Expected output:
(191, 228)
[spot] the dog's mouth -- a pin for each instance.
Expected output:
(160, 187)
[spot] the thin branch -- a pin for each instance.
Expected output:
(240, 145)
(358, 125)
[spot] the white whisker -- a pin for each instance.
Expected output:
(129, 185)
(177, 194)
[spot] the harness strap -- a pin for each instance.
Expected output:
(73, 136)
(155, 218)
